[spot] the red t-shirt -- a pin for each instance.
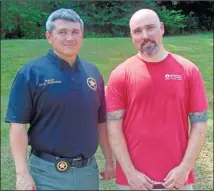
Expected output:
(157, 98)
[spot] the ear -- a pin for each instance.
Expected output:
(162, 28)
(48, 37)
(83, 35)
(131, 36)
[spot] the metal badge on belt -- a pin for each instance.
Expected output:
(62, 164)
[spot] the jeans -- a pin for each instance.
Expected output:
(47, 177)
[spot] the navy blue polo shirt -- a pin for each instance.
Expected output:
(62, 104)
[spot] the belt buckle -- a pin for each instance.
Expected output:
(62, 164)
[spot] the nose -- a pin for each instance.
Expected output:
(144, 34)
(69, 36)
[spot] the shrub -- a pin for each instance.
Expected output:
(174, 20)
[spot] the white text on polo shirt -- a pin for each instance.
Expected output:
(173, 77)
(50, 81)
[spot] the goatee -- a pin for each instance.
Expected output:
(149, 48)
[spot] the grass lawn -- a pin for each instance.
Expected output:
(107, 53)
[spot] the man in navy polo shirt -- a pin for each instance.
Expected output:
(62, 97)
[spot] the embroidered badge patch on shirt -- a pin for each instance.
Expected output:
(92, 83)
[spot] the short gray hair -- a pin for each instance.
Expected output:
(64, 14)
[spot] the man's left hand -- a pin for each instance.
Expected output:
(109, 171)
(176, 178)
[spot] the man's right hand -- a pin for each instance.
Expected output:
(139, 181)
(24, 181)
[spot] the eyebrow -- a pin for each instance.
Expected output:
(65, 29)
(62, 29)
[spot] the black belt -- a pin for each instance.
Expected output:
(62, 163)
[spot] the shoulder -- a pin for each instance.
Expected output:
(185, 63)
(32, 66)
(89, 67)
(123, 68)
(191, 69)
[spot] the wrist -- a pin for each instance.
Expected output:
(185, 167)
(129, 170)
(21, 169)
(110, 161)
(21, 172)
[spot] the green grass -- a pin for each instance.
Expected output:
(107, 54)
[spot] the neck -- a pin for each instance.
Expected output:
(159, 56)
(70, 59)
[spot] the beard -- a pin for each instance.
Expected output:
(149, 47)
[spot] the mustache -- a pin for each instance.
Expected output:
(146, 41)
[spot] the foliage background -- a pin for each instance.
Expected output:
(27, 18)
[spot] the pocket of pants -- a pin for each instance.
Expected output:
(94, 163)
(92, 166)
(38, 164)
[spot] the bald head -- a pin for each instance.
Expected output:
(147, 32)
(145, 16)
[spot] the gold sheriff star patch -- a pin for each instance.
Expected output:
(92, 83)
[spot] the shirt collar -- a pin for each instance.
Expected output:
(61, 63)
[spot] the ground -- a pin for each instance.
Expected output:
(107, 53)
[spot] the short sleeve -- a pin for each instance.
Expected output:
(20, 101)
(116, 90)
(102, 108)
(197, 94)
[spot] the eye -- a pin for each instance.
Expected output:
(62, 32)
(149, 28)
(76, 32)
(138, 31)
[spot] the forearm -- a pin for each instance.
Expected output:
(104, 143)
(19, 144)
(119, 146)
(195, 143)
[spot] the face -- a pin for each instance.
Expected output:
(66, 38)
(146, 33)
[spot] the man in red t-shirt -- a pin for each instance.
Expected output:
(150, 98)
